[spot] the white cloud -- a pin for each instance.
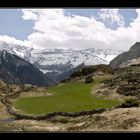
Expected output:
(54, 29)
(112, 16)
(12, 40)
(29, 15)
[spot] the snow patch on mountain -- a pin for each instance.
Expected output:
(60, 60)
(58, 57)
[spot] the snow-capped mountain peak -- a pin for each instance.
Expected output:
(60, 60)
(56, 59)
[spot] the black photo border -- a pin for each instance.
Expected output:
(12, 4)
(68, 3)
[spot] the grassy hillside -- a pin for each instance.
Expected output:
(87, 70)
(68, 97)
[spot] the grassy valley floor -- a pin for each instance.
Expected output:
(67, 97)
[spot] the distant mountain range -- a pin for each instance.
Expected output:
(15, 70)
(56, 63)
(128, 58)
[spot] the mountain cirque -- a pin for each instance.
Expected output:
(56, 62)
(116, 86)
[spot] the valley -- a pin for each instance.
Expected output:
(87, 98)
(73, 96)
(68, 97)
(69, 70)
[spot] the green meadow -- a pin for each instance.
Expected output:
(68, 97)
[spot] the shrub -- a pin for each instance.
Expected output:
(89, 79)
(130, 103)
(87, 70)
(76, 74)
(132, 90)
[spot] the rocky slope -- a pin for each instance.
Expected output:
(121, 119)
(116, 119)
(14, 69)
(127, 58)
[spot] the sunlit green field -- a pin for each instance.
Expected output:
(68, 97)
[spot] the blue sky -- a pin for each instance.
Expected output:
(128, 14)
(71, 28)
(13, 25)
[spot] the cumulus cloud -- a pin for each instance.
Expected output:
(112, 16)
(13, 40)
(29, 15)
(53, 29)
